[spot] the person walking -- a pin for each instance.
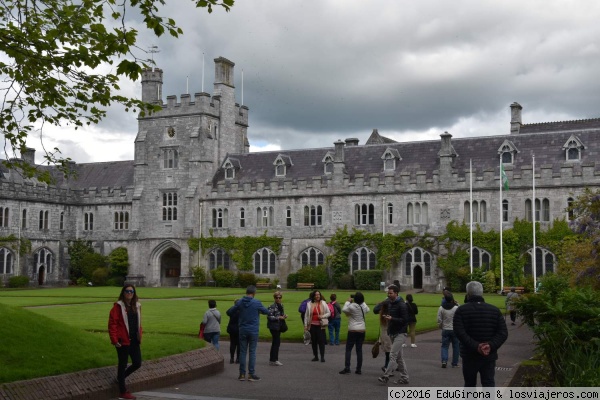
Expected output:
(335, 322)
(212, 324)
(511, 297)
(384, 339)
(233, 330)
(355, 309)
(413, 310)
(249, 324)
(276, 315)
(125, 332)
(445, 319)
(397, 318)
(315, 322)
(481, 330)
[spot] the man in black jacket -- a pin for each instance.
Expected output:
(397, 323)
(481, 330)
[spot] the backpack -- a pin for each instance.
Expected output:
(331, 307)
(302, 308)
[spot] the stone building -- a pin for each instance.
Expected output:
(193, 174)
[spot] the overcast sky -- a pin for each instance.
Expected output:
(319, 71)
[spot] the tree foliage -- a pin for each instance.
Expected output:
(61, 64)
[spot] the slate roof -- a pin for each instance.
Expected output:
(112, 174)
(423, 155)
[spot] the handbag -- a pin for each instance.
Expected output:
(283, 326)
(201, 332)
(375, 349)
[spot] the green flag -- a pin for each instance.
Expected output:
(503, 177)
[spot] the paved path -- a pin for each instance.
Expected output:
(299, 378)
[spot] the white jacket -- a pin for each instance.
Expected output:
(445, 318)
(324, 313)
(356, 316)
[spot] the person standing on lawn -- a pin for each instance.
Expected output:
(249, 323)
(336, 321)
(125, 332)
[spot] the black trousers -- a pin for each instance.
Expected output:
(354, 339)
(486, 369)
(317, 337)
(123, 371)
(275, 343)
(234, 345)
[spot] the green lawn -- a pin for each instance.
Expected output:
(52, 331)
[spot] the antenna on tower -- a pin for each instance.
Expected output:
(153, 50)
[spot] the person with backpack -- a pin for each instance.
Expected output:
(302, 309)
(335, 320)
(212, 323)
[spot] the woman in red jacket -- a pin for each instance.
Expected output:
(125, 330)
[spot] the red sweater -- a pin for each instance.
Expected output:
(118, 326)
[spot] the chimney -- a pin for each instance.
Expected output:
(352, 142)
(28, 155)
(339, 151)
(446, 155)
(515, 117)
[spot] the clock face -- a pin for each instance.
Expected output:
(171, 131)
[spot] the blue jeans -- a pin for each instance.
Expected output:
(334, 326)
(248, 342)
(213, 338)
(449, 336)
(354, 339)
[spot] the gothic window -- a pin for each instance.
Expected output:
(3, 217)
(417, 213)
(88, 221)
(390, 213)
(218, 258)
(328, 164)
(362, 259)
(364, 214)
(219, 217)
(544, 260)
(507, 157)
(573, 148)
(507, 152)
(24, 219)
(170, 158)
(570, 211)
(43, 220)
(6, 261)
(61, 221)
(229, 170)
(44, 258)
(121, 220)
(418, 257)
(169, 206)
(389, 158)
(313, 215)
(481, 259)
(312, 256)
(264, 216)
(242, 217)
(542, 210)
(427, 261)
(264, 262)
(288, 216)
(408, 264)
(504, 210)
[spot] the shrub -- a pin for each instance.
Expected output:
(91, 262)
(18, 281)
(246, 279)
(317, 275)
(489, 282)
(82, 281)
(199, 274)
(118, 262)
(100, 276)
(223, 277)
(116, 281)
(368, 280)
(292, 280)
(346, 281)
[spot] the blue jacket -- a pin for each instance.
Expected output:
(249, 309)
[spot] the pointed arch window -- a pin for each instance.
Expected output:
(264, 216)
(88, 221)
(481, 259)
(417, 213)
(6, 261)
(220, 217)
(363, 259)
(573, 149)
(44, 258)
(3, 217)
(229, 170)
(478, 213)
(390, 213)
(288, 216)
(219, 258)
(418, 257)
(542, 210)
(312, 257)
(545, 262)
(364, 214)
(313, 215)
(328, 164)
(264, 262)
(570, 211)
(170, 158)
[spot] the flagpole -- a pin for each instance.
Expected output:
(202, 73)
(501, 218)
(471, 215)
(534, 266)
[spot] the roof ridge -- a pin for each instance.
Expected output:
(568, 121)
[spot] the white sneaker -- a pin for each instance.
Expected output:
(278, 363)
(403, 344)
(413, 345)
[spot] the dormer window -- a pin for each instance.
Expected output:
(281, 163)
(328, 163)
(507, 152)
(573, 148)
(229, 170)
(389, 158)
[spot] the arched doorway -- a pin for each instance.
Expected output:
(417, 277)
(41, 275)
(170, 267)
